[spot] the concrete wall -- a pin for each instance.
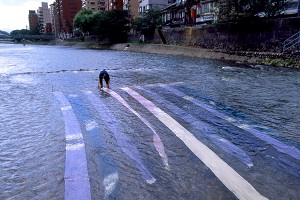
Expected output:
(265, 36)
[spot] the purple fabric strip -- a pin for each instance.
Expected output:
(281, 147)
(123, 141)
(77, 185)
(224, 144)
(156, 139)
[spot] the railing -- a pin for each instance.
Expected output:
(5, 36)
(291, 42)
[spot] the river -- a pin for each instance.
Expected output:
(248, 115)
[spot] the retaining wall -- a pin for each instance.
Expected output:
(260, 36)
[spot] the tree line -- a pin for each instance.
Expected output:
(114, 24)
(4, 32)
(240, 10)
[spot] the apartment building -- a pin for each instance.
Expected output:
(54, 18)
(115, 5)
(132, 6)
(44, 17)
(64, 12)
(103, 5)
(97, 5)
(33, 20)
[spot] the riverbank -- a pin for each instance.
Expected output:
(183, 51)
(272, 59)
(264, 58)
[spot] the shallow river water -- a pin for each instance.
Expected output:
(170, 127)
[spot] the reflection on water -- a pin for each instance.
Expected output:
(32, 139)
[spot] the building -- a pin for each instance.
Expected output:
(45, 17)
(149, 4)
(33, 20)
(97, 5)
(115, 5)
(103, 5)
(292, 8)
(132, 6)
(84, 3)
(54, 18)
(205, 12)
(64, 12)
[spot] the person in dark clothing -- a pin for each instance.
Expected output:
(103, 75)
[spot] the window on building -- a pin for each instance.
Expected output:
(206, 8)
(198, 11)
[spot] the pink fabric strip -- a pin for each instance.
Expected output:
(156, 139)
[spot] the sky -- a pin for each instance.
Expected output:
(14, 13)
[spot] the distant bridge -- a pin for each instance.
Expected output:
(33, 37)
(20, 37)
(5, 37)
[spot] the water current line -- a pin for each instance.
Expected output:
(156, 139)
(123, 141)
(281, 147)
(228, 176)
(224, 144)
(77, 185)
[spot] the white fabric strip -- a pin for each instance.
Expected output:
(228, 176)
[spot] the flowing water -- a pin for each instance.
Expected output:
(248, 115)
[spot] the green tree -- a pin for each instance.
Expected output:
(148, 22)
(112, 24)
(20, 32)
(275, 7)
(84, 20)
(4, 32)
(238, 10)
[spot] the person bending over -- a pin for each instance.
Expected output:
(103, 75)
